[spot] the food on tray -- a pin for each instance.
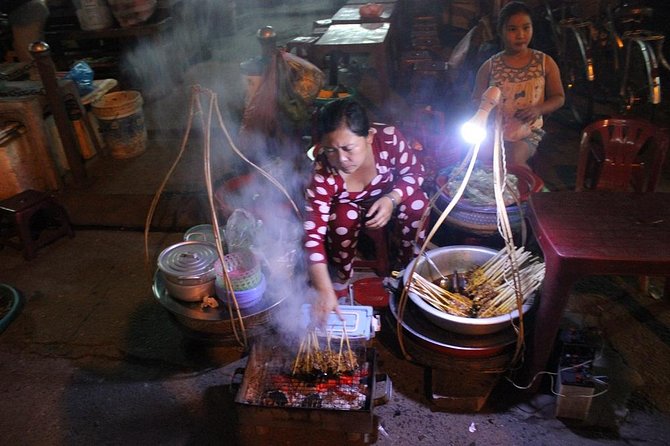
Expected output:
(480, 187)
(331, 92)
(488, 289)
(312, 359)
(209, 302)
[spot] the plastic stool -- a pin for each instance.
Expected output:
(380, 263)
(35, 218)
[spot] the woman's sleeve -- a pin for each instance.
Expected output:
(318, 195)
(408, 169)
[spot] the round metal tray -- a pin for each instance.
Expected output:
(432, 337)
(216, 323)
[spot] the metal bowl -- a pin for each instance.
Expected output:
(457, 258)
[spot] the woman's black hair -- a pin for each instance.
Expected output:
(342, 111)
(510, 9)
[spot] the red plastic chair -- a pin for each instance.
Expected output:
(621, 154)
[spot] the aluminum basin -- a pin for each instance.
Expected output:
(459, 258)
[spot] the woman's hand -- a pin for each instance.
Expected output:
(380, 212)
(326, 302)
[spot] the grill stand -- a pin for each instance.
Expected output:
(457, 378)
(296, 425)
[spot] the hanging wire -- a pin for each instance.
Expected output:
(504, 228)
(195, 107)
(402, 301)
(233, 307)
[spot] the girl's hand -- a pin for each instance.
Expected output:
(379, 213)
(529, 114)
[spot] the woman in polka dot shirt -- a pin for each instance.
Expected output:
(362, 172)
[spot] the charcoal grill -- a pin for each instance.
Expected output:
(275, 407)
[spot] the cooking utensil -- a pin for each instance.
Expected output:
(188, 268)
(444, 282)
(459, 258)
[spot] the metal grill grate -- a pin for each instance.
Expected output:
(269, 383)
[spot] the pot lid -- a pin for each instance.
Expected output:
(188, 260)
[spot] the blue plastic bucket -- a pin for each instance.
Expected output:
(121, 121)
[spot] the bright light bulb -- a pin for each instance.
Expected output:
(474, 131)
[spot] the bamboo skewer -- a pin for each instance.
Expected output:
(346, 337)
(494, 273)
(311, 357)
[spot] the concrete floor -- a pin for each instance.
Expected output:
(93, 358)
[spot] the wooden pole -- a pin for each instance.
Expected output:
(45, 66)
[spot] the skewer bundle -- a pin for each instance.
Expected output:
(489, 291)
(312, 358)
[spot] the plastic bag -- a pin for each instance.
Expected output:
(240, 230)
(299, 81)
(280, 105)
(82, 75)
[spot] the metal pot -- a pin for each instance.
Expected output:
(457, 258)
(188, 268)
(203, 233)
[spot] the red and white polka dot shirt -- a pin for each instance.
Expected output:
(398, 170)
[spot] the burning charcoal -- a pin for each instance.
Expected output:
(313, 401)
(276, 398)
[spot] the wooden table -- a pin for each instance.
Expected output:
(593, 233)
(102, 48)
(366, 38)
(351, 14)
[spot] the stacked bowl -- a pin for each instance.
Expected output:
(246, 279)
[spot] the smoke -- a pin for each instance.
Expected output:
(204, 45)
(278, 239)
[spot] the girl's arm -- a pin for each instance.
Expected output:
(554, 96)
(481, 82)
(409, 175)
(326, 300)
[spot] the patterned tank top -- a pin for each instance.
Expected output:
(521, 88)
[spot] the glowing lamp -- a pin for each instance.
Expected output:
(474, 131)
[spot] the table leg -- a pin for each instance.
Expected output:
(554, 296)
(382, 67)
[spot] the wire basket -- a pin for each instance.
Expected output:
(243, 268)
